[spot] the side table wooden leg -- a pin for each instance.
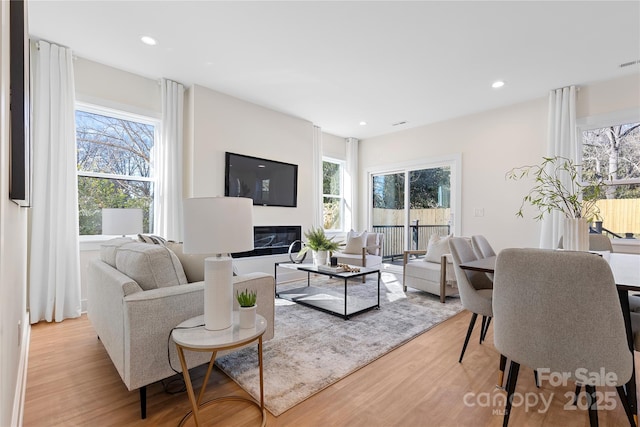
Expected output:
(206, 377)
(187, 381)
(261, 382)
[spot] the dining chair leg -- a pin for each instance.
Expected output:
(485, 328)
(622, 394)
(503, 364)
(593, 406)
(484, 322)
(466, 340)
(535, 378)
(576, 394)
(512, 378)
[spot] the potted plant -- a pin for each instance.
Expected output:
(247, 302)
(557, 187)
(320, 245)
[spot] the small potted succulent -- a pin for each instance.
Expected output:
(247, 301)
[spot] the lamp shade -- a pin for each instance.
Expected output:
(218, 225)
(121, 221)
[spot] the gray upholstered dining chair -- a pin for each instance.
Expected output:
(560, 311)
(597, 242)
(481, 247)
(474, 287)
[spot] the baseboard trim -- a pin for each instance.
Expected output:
(21, 383)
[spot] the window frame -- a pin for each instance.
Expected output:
(341, 164)
(129, 116)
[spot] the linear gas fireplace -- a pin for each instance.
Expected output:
(273, 240)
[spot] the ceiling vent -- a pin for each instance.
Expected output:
(628, 64)
(399, 123)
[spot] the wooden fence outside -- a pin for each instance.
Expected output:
(620, 215)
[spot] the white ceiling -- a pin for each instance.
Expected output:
(339, 63)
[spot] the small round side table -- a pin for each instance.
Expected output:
(191, 335)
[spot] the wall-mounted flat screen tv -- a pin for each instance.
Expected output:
(267, 182)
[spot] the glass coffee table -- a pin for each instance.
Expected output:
(323, 299)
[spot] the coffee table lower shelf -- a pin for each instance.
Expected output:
(328, 301)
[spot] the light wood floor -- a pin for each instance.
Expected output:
(72, 382)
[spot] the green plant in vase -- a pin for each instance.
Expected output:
(558, 187)
(318, 242)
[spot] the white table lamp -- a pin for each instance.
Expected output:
(218, 225)
(121, 221)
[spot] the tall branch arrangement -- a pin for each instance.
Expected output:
(575, 200)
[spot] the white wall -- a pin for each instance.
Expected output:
(114, 88)
(334, 146)
(223, 123)
(14, 325)
(491, 143)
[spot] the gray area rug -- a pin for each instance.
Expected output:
(312, 349)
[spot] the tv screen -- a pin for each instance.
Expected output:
(267, 182)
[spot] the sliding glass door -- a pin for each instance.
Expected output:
(411, 204)
(388, 211)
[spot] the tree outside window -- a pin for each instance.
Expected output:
(613, 153)
(114, 165)
(332, 195)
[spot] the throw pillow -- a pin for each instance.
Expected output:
(355, 242)
(373, 241)
(150, 238)
(438, 246)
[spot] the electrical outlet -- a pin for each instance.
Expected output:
(478, 212)
(19, 333)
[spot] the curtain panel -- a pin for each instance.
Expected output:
(168, 159)
(54, 258)
(561, 141)
(351, 185)
(318, 202)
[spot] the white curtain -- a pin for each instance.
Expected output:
(317, 177)
(168, 164)
(561, 141)
(54, 273)
(351, 185)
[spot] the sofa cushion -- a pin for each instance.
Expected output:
(108, 249)
(193, 264)
(429, 271)
(151, 266)
(437, 247)
(355, 242)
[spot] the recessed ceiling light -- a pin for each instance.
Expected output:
(497, 84)
(148, 40)
(363, 123)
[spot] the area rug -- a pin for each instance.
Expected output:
(312, 349)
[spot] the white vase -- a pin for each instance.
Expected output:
(320, 257)
(247, 317)
(575, 234)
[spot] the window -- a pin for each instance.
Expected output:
(114, 151)
(613, 152)
(332, 194)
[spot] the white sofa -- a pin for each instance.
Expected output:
(138, 292)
